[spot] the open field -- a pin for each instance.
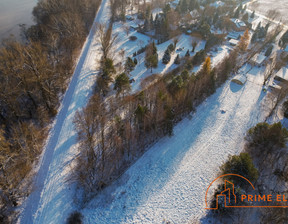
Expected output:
(263, 6)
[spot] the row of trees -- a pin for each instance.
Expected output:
(114, 131)
(33, 74)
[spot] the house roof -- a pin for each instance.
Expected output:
(233, 35)
(233, 42)
(283, 73)
(258, 58)
(239, 79)
(239, 23)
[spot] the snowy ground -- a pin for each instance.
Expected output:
(263, 6)
(170, 180)
(141, 72)
(52, 198)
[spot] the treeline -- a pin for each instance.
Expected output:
(33, 76)
(115, 131)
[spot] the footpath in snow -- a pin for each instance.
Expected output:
(52, 199)
(169, 181)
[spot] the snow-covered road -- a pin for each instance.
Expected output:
(170, 180)
(52, 198)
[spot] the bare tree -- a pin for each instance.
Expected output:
(106, 39)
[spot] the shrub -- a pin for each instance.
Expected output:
(199, 57)
(285, 109)
(75, 218)
(167, 57)
(171, 47)
(269, 51)
(241, 165)
(133, 38)
(264, 137)
(177, 60)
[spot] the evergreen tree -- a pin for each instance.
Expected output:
(135, 61)
(146, 25)
(122, 84)
(105, 78)
(237, 13)
(151, 22)
(171, 48)
(151, 56)
(245, 17)
(167, 57)
(129, 65)
(187, 54)
(169, 121)
(252, 15)
(177, 60)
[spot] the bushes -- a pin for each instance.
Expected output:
(262, 138)
(285, 109)
(213, 40)
(133, 38)
(167, 56)
(75, 218)
(269, 50)
(199, 57)
(241, 165)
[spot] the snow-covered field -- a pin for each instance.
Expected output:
(263, 6)
(170, 180)
(52, 198)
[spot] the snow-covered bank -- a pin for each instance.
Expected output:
(170, 180)
(51, 199)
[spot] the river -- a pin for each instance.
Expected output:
(13, 13)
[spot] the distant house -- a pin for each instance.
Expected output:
(217, 4)
(233, 35)
(258, 60)
(238, 24)
(282, 75)
(233, 42)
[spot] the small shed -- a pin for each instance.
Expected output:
(258, 60)
(239, 79)
(282, 75)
